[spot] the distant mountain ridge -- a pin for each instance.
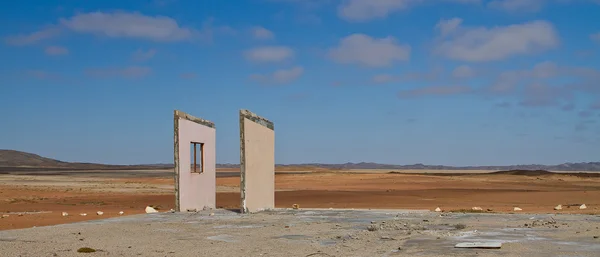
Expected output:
(24, 160)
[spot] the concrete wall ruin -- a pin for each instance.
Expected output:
(257, 163)
(195, 185)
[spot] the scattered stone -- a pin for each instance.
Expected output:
(480, 245)
(211, 214)
(550, 222)
(490, 210)
(5, 216)
(558, 207)
(172, 211)
(372, 227)
(295, 206)
(83, 214)
(460, 226)
(596, 237)
(582, 207)
(64, 214)
(387, 238)
(86, 250)
(99, 213)
(150, 210)
(517, 209)
(477, 209)
(121, 213)
(438, 209)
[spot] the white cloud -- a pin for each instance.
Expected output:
(538, 86)
(42, 74)
(126, 72)
(383, 78)
(479, 44)
(282, 76)
(364, 10)
(128, 25)
(447, 27)
(262, 33)
(463, 71)
(188, 75)
(269, 54)
(56, 50)
(141, 55)
(434, 90)
(517, 5)
(32, 38)
(367, 51)
(595, 37)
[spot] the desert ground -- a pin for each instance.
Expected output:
(29, 199)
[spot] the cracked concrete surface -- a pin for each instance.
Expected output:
(313, 233)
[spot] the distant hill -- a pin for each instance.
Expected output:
(17, 160)
(28, 161)
(583, 166)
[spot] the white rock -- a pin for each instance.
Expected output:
(582, 207)
(517, 209)
(477, 209)
(99, 213)
(5, 215)
(150, 210)
(121, 213)
(438, 209)
(83, 214)
(64, 214)
(558, 207)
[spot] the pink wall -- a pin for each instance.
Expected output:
(196, 190)
(258, 178)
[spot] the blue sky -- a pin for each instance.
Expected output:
(453, 82)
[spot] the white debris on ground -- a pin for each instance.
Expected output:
(558, 207)
(121, 213)
(150, 210)
(5, 215)
(438, 209)
(480, 245)
(83, 214)
(477, 209)
(99, 213)
(517, 209)
(65, 214)
(582, 207)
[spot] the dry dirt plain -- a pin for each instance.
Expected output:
(38, 199)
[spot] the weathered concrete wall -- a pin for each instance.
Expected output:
(257, 163)
(194, 191)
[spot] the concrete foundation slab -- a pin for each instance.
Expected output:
(311, 233)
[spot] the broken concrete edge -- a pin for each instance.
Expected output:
(177, 115)
(255, 118)
(176, 158)
(191, 118)
(243, 207)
